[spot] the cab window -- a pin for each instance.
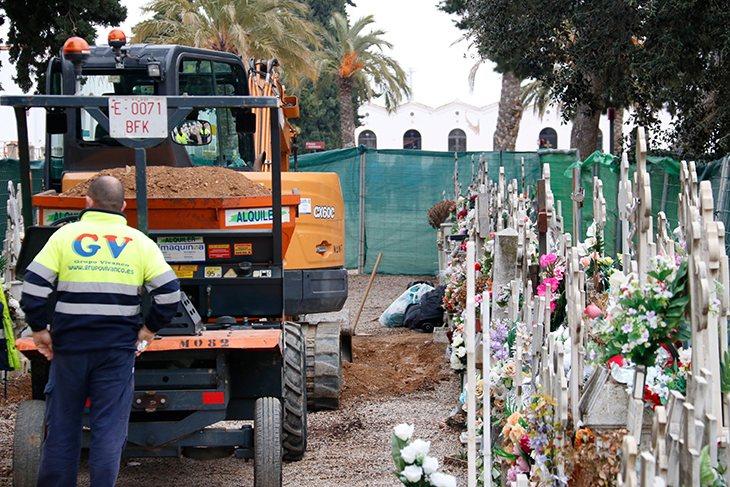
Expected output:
(199, 77)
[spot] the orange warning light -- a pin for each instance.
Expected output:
(116, 38)
(76, 46)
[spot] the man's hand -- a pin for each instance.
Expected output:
(43, 343)
(144, 338)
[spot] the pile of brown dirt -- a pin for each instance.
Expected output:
(17, 389)
(394, 364)
(180, 182)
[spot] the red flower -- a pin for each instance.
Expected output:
(474, 197)
(462, 213)
(477, 267)
(652, 398)
(616, 359)
(525, 444)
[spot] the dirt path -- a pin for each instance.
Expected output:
(396, 376)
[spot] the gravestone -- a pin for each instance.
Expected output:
(504, 269)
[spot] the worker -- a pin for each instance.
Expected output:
(205, 133)
(180, 136)
(98, 266)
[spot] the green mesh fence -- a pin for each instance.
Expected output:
(400, 187)
(10, 171)
(665, 189)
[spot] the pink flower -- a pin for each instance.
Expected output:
(547, 259)
(541, 290)
(585, 261)
(592, 310)
(553, 282)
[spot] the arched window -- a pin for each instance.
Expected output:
(457, 141)
(412, 140)
(548, 139)
(368, 139)
(599, 145)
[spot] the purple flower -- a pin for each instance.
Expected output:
(627, 328)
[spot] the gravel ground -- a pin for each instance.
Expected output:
(348, 447)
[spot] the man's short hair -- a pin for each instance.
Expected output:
(107, 193)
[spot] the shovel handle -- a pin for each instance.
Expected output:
(370, 283)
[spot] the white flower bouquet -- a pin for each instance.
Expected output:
(413, 465)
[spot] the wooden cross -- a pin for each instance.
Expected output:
(658, 441)
(559, 225)
(482, 174)
(560, 388)
(709, 416)
(599, 207)
(537, 348)
(627, 477)
(624, 199)
(542, 216)
(578, 197)
(665, 244)
(576, 303)
(642, 216)
(648, 469)
(675, 410)
(724, 277)
(501, 195)
(689, 455)
(636, 404)
(514, 316)
(457, 185)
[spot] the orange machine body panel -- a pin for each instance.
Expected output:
(255, 340)
(318, 241)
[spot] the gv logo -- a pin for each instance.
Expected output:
(92, 249)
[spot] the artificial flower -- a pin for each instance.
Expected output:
(413, 473)
(430, 465)
(439, 479)
(404, 431)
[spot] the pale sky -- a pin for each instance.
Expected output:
(425, 43)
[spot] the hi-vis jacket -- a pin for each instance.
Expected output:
(98, 267)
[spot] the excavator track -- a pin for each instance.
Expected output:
(324, 365)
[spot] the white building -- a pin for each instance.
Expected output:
(461, 127)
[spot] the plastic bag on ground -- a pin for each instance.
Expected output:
(394, 315)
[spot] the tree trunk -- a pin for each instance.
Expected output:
(510, 113)
(584, 135)
(618, 132)
(347, 113)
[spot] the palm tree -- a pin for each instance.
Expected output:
(250, 28)
(357, 61)
(509, 115)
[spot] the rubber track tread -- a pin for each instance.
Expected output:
(267, 443)
(324, 375)
(294, 434)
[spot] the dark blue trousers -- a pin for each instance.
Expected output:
(106, 378)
